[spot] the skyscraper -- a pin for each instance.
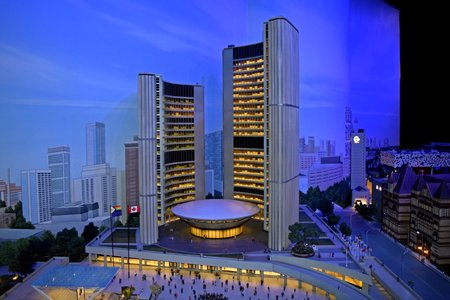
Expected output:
(36, 195)
(261, 127)
(348, 130)
(95, 144)
(311, 144)
(98, 182)
(348, 136)
(213, 157)
(132, 173)
(171, 149)
(59, 165)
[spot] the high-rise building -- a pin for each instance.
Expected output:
(59, 165)
(358, 168)
(261, 127)
(348, 142)
(213, 157)
(209, 181)
(98, 182)
(302, 145)
(95, 144)
(171, 149)
(311, 144)
(348, 130)
(330, 148)
(36, 195)
(132, 173)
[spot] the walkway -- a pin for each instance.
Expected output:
(381, 273)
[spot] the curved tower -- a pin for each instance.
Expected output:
(261, 127)
(171, 150)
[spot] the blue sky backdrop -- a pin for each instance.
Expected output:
(67, 63)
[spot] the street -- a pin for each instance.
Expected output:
(428, 283)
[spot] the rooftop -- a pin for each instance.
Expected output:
(75, 276)
(215, 209)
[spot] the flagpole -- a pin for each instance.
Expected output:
(128, 223)
(112, 236)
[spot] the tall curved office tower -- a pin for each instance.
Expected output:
(171, 150)
(261, 127)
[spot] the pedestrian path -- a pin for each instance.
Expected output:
(367, 264)
(188, 285)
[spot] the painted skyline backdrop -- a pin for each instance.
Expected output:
(64, 64)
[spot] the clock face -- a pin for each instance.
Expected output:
(356, 139)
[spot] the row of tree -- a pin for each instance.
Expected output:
(20, 221)
(339, 193)
(20, 256)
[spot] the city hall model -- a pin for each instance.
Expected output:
(260, 144)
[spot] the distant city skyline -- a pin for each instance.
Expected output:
(66, 64)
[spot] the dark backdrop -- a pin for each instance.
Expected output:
(425, 78)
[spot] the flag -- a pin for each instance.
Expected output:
(134, 209)
(116, 210)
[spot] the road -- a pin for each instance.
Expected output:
(428, 283)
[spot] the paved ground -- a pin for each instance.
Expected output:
(176, 236)
(185, 285)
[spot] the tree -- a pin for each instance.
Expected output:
(18, 209)
(101, 228)
(68, 243)
(326, 207)
(47, 243)
(7, 251)
(21, 223)
(127, 291)
(2, 203)
(296, 233)
(117, 223)
(133, 220)
(156, 290)
(90, 232)
(23, 260)
(209, 196)
(333, 219)
(366, 211)
(345, 229)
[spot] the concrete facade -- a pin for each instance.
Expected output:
(171, 149)
(36, 195)
(261, 126)
(98, 183)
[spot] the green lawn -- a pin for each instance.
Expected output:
(314, 226)
(303, 217)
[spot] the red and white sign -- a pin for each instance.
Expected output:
(134, 209)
